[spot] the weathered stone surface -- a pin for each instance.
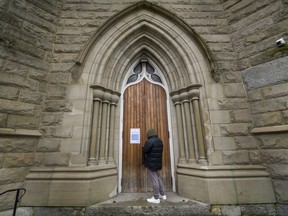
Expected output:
(60, 132)
(19, 81)
(58, 106)
(13, 175)
(57, 211)
(246, 142)
(255, 95)
(233, 103)
(3, 120)
(18, 160)
(51, 159)
(239, 116)
(253, 210)
(278, 171)
(269, 105)
(275, 156)
(17, 144)
(281, 192)
(277, 141)
(31, 97)
(266, 74)
(236, 129)
(52, 120)
(282, 209)
(275, 91)
(8, 92)
(22, 211)
(255, 156)
(18, 108)
(235, 90)
(23, 122)
(49, 145)
(231, 210)
(235, 157)
(56, 92)
(268, 119)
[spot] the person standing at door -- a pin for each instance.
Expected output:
(152, 159)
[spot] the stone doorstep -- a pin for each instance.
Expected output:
(136, 204)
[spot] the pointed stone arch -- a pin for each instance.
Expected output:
(145, 29)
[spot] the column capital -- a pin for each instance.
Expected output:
(105, 94)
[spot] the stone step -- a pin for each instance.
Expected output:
(136, 204)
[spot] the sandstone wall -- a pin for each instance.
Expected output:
(27, 35)
(255, 26)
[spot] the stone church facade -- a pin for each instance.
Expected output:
(65, 68)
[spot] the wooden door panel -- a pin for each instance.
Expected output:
(144, 108)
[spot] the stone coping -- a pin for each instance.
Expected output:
(71, 173)
(270, 129)
(19, 132)
(222, 171)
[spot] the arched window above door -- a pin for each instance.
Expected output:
(144, 69)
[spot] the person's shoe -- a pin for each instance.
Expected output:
(153, 200)
(162, 197)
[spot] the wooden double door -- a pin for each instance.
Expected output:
(145, 107)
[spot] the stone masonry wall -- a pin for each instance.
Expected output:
(255, 26)
(27, 35)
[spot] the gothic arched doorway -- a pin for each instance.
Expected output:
(144, 107)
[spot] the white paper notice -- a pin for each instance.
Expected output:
(135, 135)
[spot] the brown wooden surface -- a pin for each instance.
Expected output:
(144, 108)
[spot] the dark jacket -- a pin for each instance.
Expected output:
(152, 153)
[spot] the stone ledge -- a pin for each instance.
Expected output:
(19, 132)
(270, 129)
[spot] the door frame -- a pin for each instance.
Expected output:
(164, 86)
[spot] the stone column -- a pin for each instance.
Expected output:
(102, 133)
(113, 104)
(94, 131)
(178, 107)
(199, 127)
(189, 130)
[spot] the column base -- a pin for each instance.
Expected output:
(245, 184)
(70, 186)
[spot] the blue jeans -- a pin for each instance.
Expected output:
(157, 183)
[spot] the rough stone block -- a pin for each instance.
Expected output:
(266, 74)
(48, 145)
(38, 75)
(56, 159)
(33, 97)
(234, 90)
(235, 157)
(10, 79)
(275, 156)
(270, 105)
(8, 92)
(282, 209)
(235, 129)
(280, 187)
(24, 122)
(241, 116)
(3, 120)
(253, 210)
(11, 67)
(57, 106)
(268, 119)
(278, 141)
(278, 171)
(246, 142)
(233, 103)
(17, 144)
(11, 175)
(56, 92)
(18, 108)
(57, 132)
(52, 119)
(255, 157)
(18, 160)
(275, 91)
(255, 95)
